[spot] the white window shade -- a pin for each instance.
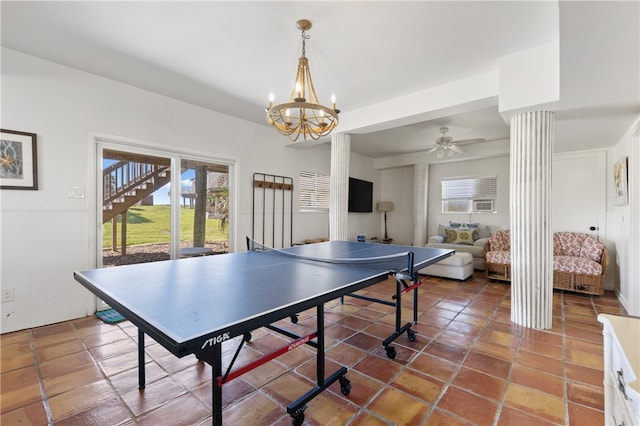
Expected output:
(469, 194)
(314, 191)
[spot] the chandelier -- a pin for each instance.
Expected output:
(303, 114)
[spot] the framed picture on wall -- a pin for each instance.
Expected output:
(18, 160)
(620, 182)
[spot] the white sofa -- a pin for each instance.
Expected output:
(475, 248)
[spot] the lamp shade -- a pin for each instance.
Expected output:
(385, 206)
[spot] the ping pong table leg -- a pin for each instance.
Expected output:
(141, 368)
(215, 361)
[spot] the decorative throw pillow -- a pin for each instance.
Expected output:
(592, 249)
(450, 235)
(465, 236)
(456, 225)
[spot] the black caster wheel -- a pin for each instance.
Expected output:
(345, 386)
(391, 352)
(247, 336)
(294, 319)
(411, 335)
(298, 419)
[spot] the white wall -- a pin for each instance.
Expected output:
(45, 235)
(623, 222)
(497, 166)
(397, 186)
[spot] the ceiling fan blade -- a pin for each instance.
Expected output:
(435, 148)
(456, 148)
(469, 141)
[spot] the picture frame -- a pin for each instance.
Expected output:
(18, 160)
(620, 180)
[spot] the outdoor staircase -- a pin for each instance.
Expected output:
(126, 183)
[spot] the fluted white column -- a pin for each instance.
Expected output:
(339, 200)
(420, 176)
(532, 137)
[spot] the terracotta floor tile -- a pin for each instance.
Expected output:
(378, 368)
(479, 383)
(541, 363)
(110, 412)
(512, 417)
(15, 355)
(590, 376)
(498, 351)
(287, 388)
(330, 409)
(19, 388)
(581, 415)
(542, 348)
(52, 330)
(399, 408)
(256, 409)
(127, 380)
(442, 418)
(448, 352)
(488, 364)
(363, 341)
(366, 419)
(452, 338)
(185, 409)
(590, 396)
(537, 379)
(49, 353)
(478, 410)
(79, 399)
(534, 402)
(584, 345)
(585, 359)
(418, 385)
(55, 385)
(153, 396)
(119, 363)
(54, 339)
(29, 415)
(434, 366)
(346, 355)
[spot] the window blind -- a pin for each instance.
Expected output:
(469, 188)
(314, 191)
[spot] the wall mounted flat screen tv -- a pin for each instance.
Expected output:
(360, 196)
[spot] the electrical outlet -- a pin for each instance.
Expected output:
(7, 295)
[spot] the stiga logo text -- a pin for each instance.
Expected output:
(215, 340)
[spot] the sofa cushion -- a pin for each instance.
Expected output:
(464, 236)
(592, 249)
(501, 241)
(576, 265)
(499, 256)
(570, 243)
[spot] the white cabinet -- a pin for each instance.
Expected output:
(621, 370)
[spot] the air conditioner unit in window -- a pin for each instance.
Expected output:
(483, 205)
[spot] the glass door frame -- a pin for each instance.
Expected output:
(100, 143)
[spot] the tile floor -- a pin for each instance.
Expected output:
(468, 365)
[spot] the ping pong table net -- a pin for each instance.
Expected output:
(396, 262)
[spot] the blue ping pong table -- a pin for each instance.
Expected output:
(193, 305)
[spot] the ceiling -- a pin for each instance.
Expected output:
(228, 56)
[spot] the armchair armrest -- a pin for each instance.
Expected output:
(481, 242)
(437, 239)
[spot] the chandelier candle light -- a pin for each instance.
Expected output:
(303, 114)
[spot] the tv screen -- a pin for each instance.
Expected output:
(360, 196)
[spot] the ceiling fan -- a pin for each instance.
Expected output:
(446, 144)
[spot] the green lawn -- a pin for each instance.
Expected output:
(151, 224)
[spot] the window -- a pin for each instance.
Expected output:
(469, 194)
(314, 191)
